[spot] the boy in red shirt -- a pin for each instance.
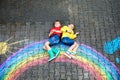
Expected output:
(54, 38)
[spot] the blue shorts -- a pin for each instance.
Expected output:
(54, 39)
(68, 41)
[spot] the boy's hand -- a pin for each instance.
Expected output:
(58, 31)
(77, 33)
(51, 32)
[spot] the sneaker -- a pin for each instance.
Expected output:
(56, 52)
(72, 56)
(51, 54)
(73, 53)
(67, 53)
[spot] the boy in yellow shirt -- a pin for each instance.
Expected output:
(68, 37)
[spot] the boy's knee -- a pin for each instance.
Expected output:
(47, 43)
(76, 43)
(44, 47)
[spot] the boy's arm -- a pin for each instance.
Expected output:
(58, 31)
(51, 32)
(63, 29)
(75, 35)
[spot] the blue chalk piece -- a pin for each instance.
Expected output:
(111, 46)
(117, 60)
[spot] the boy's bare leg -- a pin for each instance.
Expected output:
(76, 47)
(72, 47)
(50, 52)
(46, 46)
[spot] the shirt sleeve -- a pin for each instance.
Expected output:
(63, 29)
(74, 36)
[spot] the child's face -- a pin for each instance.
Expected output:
(57, 24)
(71, 26)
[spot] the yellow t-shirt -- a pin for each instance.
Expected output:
(71, 35)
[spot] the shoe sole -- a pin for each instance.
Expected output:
(51, 59)
(57, 53)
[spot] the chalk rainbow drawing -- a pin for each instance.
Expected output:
(31, 55)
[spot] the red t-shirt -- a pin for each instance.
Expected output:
(56, 33)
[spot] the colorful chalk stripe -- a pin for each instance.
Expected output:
(31, 55)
